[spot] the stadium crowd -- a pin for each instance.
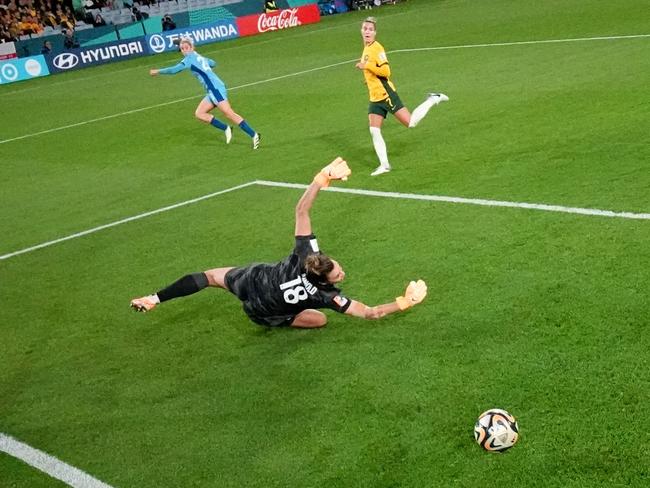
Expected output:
(19, 18)
(26, 17)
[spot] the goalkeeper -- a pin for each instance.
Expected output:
(289, 292)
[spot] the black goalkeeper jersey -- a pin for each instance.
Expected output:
(282, 289)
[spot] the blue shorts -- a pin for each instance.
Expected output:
(217, 95)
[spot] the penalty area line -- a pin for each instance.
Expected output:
(471, 201)
(354, 191)
(124, 221)
(49, 464)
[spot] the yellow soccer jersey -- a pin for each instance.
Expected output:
(377, 71)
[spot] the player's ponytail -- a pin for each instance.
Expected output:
(318, 266)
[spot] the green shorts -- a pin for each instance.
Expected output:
(391, 103)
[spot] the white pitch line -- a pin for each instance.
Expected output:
(471, 201)
(298, 73)
(124, 221)
(49, 464)
(98, 119)
(129, 112)
(354, 191)
(520, 43)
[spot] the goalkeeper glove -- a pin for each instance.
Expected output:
(415, 293)
(336, 170)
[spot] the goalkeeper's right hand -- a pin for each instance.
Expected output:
(415, 293)
(336, 170)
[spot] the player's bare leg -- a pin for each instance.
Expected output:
(226, 109)
(378, 142)
(202, 113)
(217, 277)
(411, 120)
(403, 116)
(309, 319)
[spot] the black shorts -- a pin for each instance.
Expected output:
(392, 103)
(237, 282)
(269, 321)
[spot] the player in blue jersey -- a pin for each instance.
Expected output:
(216, 96)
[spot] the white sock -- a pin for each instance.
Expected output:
(380, 146)
(422, 110)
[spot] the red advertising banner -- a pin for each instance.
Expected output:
(281, 19)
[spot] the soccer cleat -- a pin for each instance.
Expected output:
(143, 304)
(441, 97)
(228, 133)
(256, 140)
(381, 170)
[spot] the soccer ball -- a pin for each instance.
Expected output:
(496, 430)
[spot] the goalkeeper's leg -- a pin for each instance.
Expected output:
(309, 319)
(187, 285)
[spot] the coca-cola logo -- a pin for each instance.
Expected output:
(283, 20)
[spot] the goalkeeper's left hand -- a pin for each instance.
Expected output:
(415, 293)
(336, 170)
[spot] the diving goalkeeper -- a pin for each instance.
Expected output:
(289, 292)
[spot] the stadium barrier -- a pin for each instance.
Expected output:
(121, 24)
(99, 54)
(109, 52)
(200, 34)
(280, 19)
(18, 69)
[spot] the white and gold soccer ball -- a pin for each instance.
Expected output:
(496, 430)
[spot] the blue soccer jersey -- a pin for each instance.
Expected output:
(201, 68)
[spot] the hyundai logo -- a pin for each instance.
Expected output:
(157, 43)
(66, 61)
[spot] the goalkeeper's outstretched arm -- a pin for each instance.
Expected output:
(336, 170)
(415, 293)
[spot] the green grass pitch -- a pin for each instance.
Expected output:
(544, 314)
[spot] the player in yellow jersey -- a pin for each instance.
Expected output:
(383, 95)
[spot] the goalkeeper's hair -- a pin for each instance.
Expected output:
(318, 266)
(372, 20)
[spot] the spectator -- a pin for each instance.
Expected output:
(98, 21)
(47, 48)
(137, 15)
(327, 7)
(168, 23)
(48, 18)
(14, 31)
(270, 6)
(361, 5)
(29, 25)
(65, 19)
(6, 34)
(69, 40)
